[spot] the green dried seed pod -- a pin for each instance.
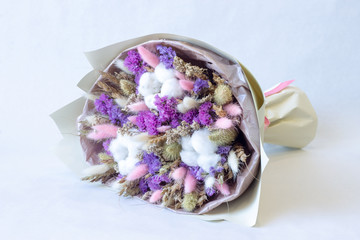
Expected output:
(190, 201)
(127, 87)
(103, 156)
(172, 151)
(223, 136)
(222, 94)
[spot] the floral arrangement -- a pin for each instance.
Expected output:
(165, 127)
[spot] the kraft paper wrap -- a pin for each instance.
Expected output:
(241, 206)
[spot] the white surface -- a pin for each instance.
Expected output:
(307, 194)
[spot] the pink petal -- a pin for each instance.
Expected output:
(156, 196)
(138, 172)
(179, 173)
(148, 56)
(186, 85)
(138, 107)
(103, 131)
(180, 75)
(223, 123)
(278, 88)
(223, 188)
(189, 183)
(132, 119)
(266, 122)
(163, 128)
(233, 109)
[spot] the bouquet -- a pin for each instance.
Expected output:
(179, 124)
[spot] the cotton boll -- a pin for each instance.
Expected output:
(233, 162)
(118, 149)
(127, 166)
(120, 64)
(148, 84)
(201, 142)
(208, 161)
(189, 158)
(149, 101)
(171, 88)
(96, 169)
(163, 74)
(186, 144)
(209, 181)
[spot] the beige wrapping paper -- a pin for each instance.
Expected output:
(243, 210)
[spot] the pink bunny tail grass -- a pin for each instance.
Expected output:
(180, 75)
(189, 183)
(163, 128)
(224, 123)
(103, 131)
(132, 119)
(233, 109)
(179, 173)
(138, 172)
(155, 196)
(148, 56)
(186, 85)
(138, 107)
(223, 188)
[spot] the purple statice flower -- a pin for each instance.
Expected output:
(106, 145)
(135, 64)
(167, 55)
(155, 182)
(143, 185)
(199, 85)
(119, 176)
(223, 159)
(197, 172)
(147, 122)
(116, 116)
(167, 109)
(105, 105)
(152, 161)
(189, 116)
(214, 170)
(204, 117)
(223, 150)
(174, 123)
(210, 191)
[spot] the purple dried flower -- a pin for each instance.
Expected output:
(223, 150)
(143, 185)
(205, 117)
(199, 85)
(189, 116)
(106, 145)
(155, 182)
(210, 191)
(152, 161)
(105, 105)
(135, 64)
(147, 122)
(214, 170)
(196, 172)
(119, 176)
(167, 55)
(167, 110)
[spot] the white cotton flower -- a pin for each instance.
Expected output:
(124, 150)
(189, 158)
(148, 84)
(163, 74)
(187, 104)
(149, 101)
(206, 161)
(171, 88)
(186, 144)
(209, 181)
(201, 142)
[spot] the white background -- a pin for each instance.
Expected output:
(311, 193)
